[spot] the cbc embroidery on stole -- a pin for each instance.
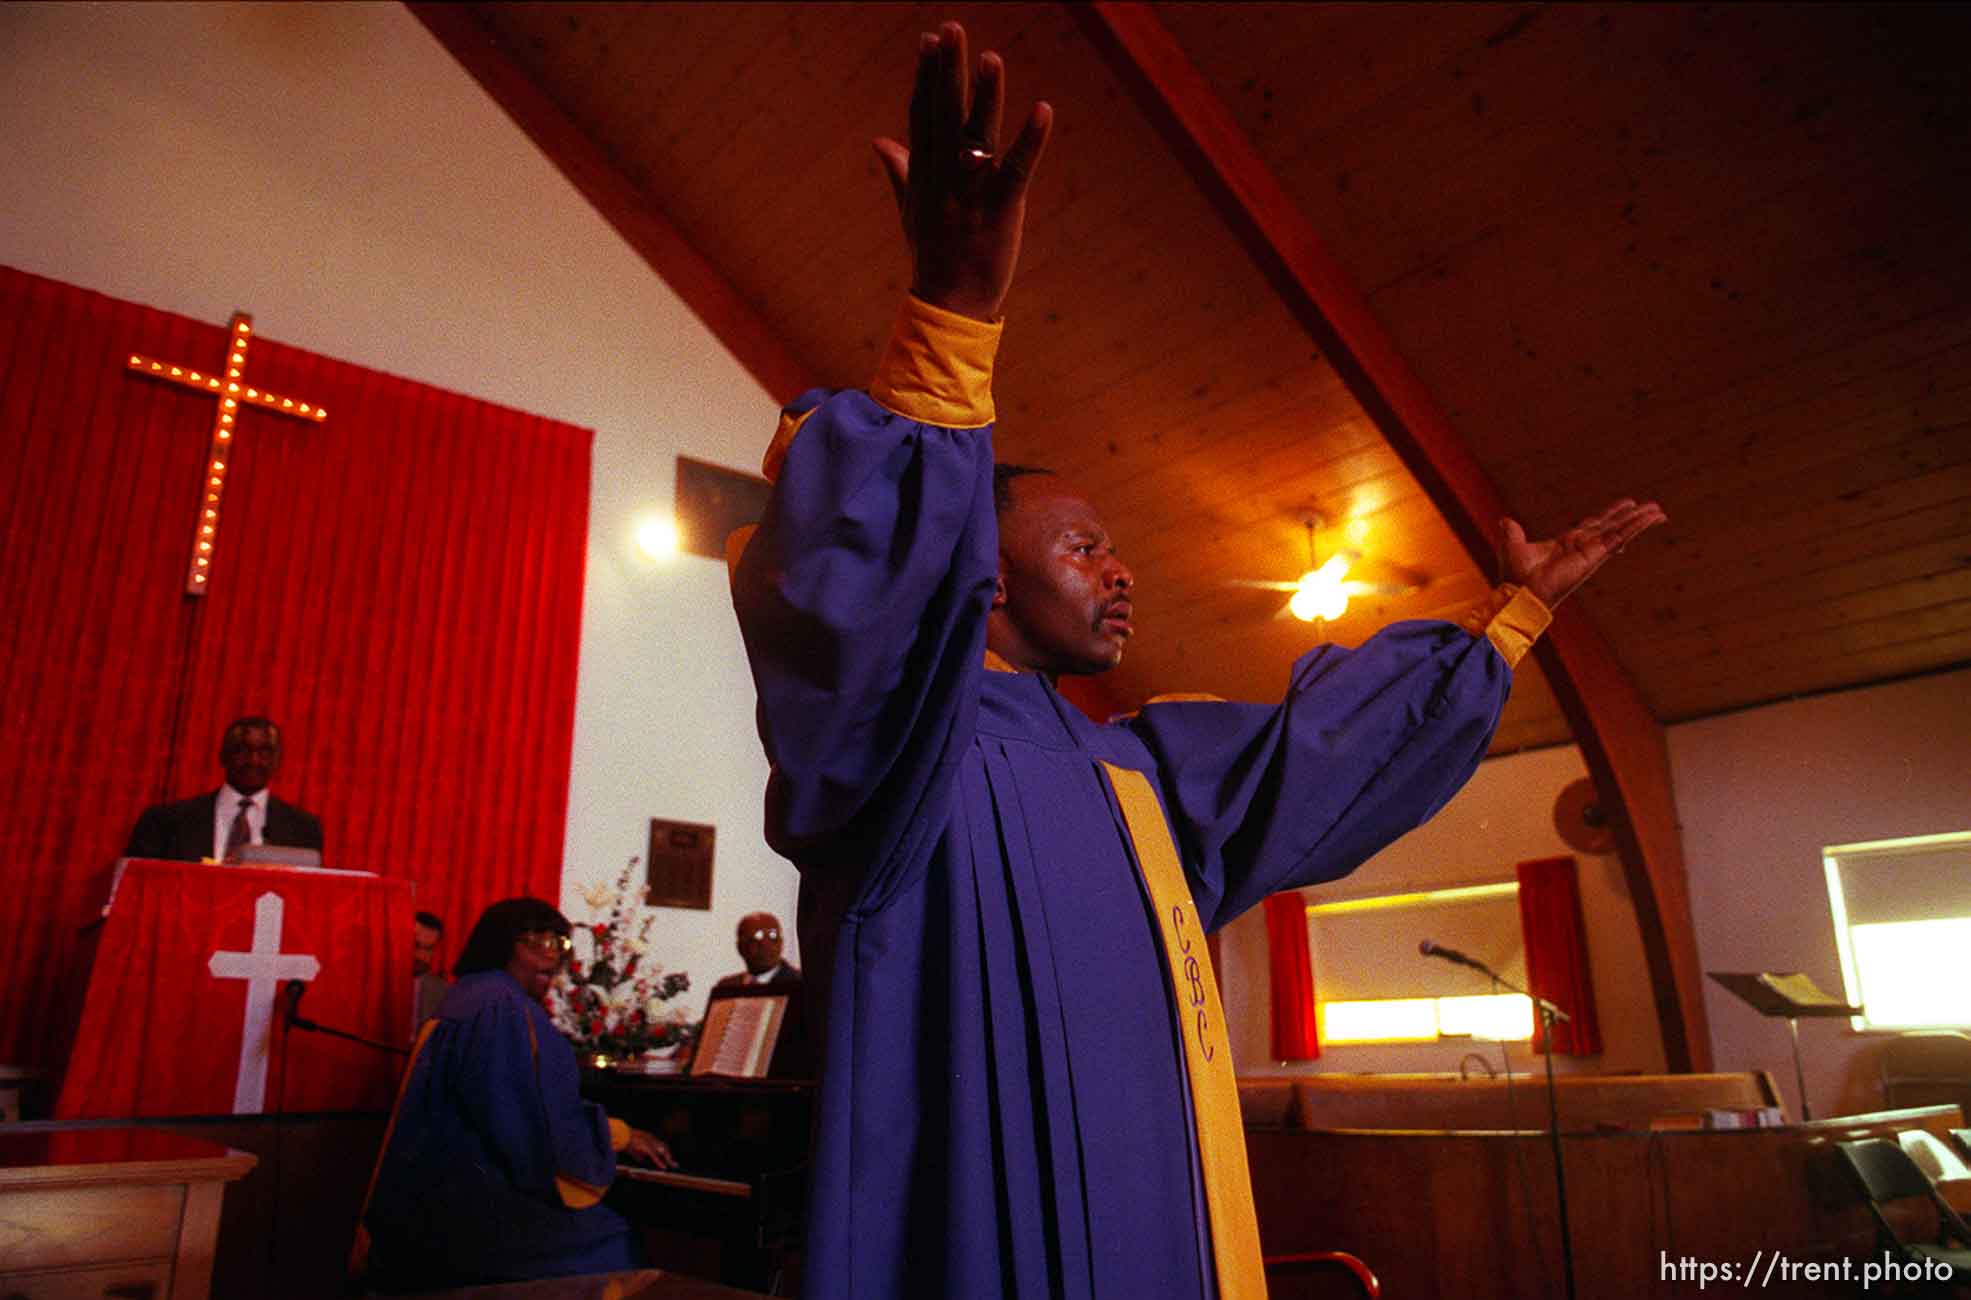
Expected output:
(1194, 977)
(1207, 1052)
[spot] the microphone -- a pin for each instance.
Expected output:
(1429, 949)
(293, 990)
(1456, 958)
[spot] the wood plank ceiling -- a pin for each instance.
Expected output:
(1717, 255)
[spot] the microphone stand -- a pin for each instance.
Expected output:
(1549, 1014)
(1548, 1011)
(295, 1020)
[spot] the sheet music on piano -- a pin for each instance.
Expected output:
(739, 1036)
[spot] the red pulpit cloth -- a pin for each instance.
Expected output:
(187, 1001)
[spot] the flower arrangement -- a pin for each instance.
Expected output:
(610, 999)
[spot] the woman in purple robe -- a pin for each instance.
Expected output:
(494, 1167)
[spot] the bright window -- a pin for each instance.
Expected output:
(1902, 921)
(1391, 1020)
(1507, 1017)
(1374, 986)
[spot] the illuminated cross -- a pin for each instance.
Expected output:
(264, 967)
(231, 390)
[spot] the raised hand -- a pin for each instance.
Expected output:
(963, 203)
(1552, 570)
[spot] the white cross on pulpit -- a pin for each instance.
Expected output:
(264, 968)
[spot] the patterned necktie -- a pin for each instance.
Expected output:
(240, 833)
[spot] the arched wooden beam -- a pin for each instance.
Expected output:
(1622, 741)
(709, 295)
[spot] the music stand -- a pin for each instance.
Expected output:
(1789, 994)
(741, 1030)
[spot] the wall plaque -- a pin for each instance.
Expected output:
(710, 501)
(680, 863)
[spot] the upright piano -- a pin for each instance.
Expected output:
(742, 1152)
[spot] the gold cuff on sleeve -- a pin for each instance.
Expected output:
(1511, 618)
(576, 1194)
(776, 453)
(938, 367)
(619, 1134)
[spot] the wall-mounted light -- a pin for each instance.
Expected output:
(657, 538)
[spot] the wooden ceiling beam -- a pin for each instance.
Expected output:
(1623, 743)
(589, 168)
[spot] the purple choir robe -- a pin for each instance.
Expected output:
(490, 1122)
(1003, 1105)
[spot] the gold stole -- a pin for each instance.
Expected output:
(575, 1194)
(359, 1250)
(1207, 1051)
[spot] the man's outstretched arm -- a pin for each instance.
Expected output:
(1552, 570)
(963, 203)
(863, 595)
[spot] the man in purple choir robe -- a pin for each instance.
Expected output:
(1024, 1087)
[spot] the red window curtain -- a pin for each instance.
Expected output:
(1296, 1032)
(1557, 953)
(400, 588)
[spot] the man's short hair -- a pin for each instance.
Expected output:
(430, 921)
(238, 725)
(1002, 483)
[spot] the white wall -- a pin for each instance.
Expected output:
(1503, 817)
(331, 169)
(1761, 793)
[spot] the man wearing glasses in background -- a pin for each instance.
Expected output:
(760, 946)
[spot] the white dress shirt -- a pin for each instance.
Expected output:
(227, 806)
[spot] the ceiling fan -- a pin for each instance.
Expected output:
(1322, 593)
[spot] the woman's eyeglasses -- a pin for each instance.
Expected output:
(550, 944)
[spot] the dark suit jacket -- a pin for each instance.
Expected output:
(788, 973)
(182, 831)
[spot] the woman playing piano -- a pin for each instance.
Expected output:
(494, 1167)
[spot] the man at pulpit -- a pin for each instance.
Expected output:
(243, 811)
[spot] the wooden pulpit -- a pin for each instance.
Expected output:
(195, 971)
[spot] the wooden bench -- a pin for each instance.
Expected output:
(1587, 1103)
(1472, 1214)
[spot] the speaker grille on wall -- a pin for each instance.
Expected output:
(1579, 818)
(709, 501)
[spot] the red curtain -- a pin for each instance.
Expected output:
(1557, 953)
(400, 588)
(1296, 1031)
